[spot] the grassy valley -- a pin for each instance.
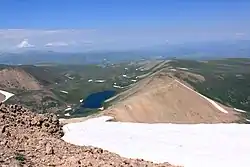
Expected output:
(63, 86)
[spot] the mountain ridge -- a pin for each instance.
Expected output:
(163, 98)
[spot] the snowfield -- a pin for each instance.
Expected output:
(193, 145)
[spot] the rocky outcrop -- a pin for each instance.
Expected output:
(29, 139)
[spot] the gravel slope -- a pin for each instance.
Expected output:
(29, 139)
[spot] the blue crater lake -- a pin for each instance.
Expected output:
(95, 100)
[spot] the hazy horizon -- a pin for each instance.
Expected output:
(94, 25)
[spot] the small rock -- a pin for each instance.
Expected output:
(8, 134)
(55, 119)
(49, 149)
(46, 124)
(2, 115)
(4, 142)
(3, 129)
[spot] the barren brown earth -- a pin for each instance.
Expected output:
(2, 97)
(160, 98)
(18, 78)
(29, 139)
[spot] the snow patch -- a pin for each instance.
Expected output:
(192, 145)
(99, 81)
(239, 110)
(116, 86)
(248, 120)
(180, 68)
(67, 114)
(65, 92)
(6, 94)
(68, 109)
(69, 77)
(101, 108)
(125, 76)
(172, 69)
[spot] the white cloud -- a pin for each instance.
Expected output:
(51, 44)
(107, 39)
(25, 44)
(85, 42)
(52, 31)
(239, 34)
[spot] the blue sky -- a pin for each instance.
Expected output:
(120, 24)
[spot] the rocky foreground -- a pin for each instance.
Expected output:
(29, 139)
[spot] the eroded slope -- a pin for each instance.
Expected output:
(163, 98)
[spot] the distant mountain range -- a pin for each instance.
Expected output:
(204, 50)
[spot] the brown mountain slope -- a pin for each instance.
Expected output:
(29, 139)
(28, 90)
(2, 97)
(18, 79)
(163, 98)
